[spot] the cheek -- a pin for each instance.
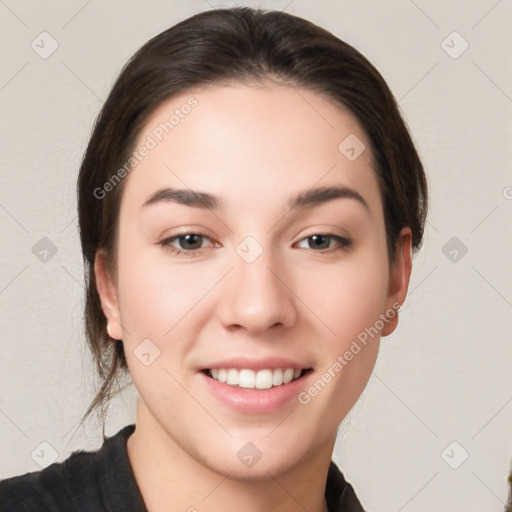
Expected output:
(156, 304)
(154, 297)
(349, 299)
(348, 296)
(349, 305)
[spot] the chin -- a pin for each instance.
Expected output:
(268, 466)
(256, 460)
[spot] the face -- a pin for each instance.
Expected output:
(274, 269)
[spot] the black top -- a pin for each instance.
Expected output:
(103, 481)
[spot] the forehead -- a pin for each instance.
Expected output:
(251, 143)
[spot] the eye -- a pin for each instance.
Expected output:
(323, 241)
(186, 243)
(190, 244)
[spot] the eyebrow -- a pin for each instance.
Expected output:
(305, 199)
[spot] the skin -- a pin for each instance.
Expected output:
(254, 147)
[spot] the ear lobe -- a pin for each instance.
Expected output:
(399, 277)
(108, 296)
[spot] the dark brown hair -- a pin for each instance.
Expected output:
(238, 45)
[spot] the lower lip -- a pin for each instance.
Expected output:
(255, 401)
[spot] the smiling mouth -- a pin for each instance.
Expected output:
(260, 379)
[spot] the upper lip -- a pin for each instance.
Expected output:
(255, 364)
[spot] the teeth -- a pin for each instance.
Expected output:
(246, 379)
(288, 375)
(262, 379)
(277, 377)
(233, 377)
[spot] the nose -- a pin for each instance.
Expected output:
(256, 296)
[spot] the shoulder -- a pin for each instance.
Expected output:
(74, 484)
(60, 486)
(339, 493)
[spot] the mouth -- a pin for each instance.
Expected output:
(255, 386)
(246, 378)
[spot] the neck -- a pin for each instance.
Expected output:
(166, 474)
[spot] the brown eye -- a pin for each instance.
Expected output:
(322, 241)
(319, 241)
(190, 241)
(188, 244)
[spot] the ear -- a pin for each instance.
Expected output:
(399, 276)
(108, 296)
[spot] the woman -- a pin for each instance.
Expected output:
(249, 204)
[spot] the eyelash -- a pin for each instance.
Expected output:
(344, 244)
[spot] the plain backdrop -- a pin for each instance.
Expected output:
(433, 429)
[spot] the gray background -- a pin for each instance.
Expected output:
(443, 377)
